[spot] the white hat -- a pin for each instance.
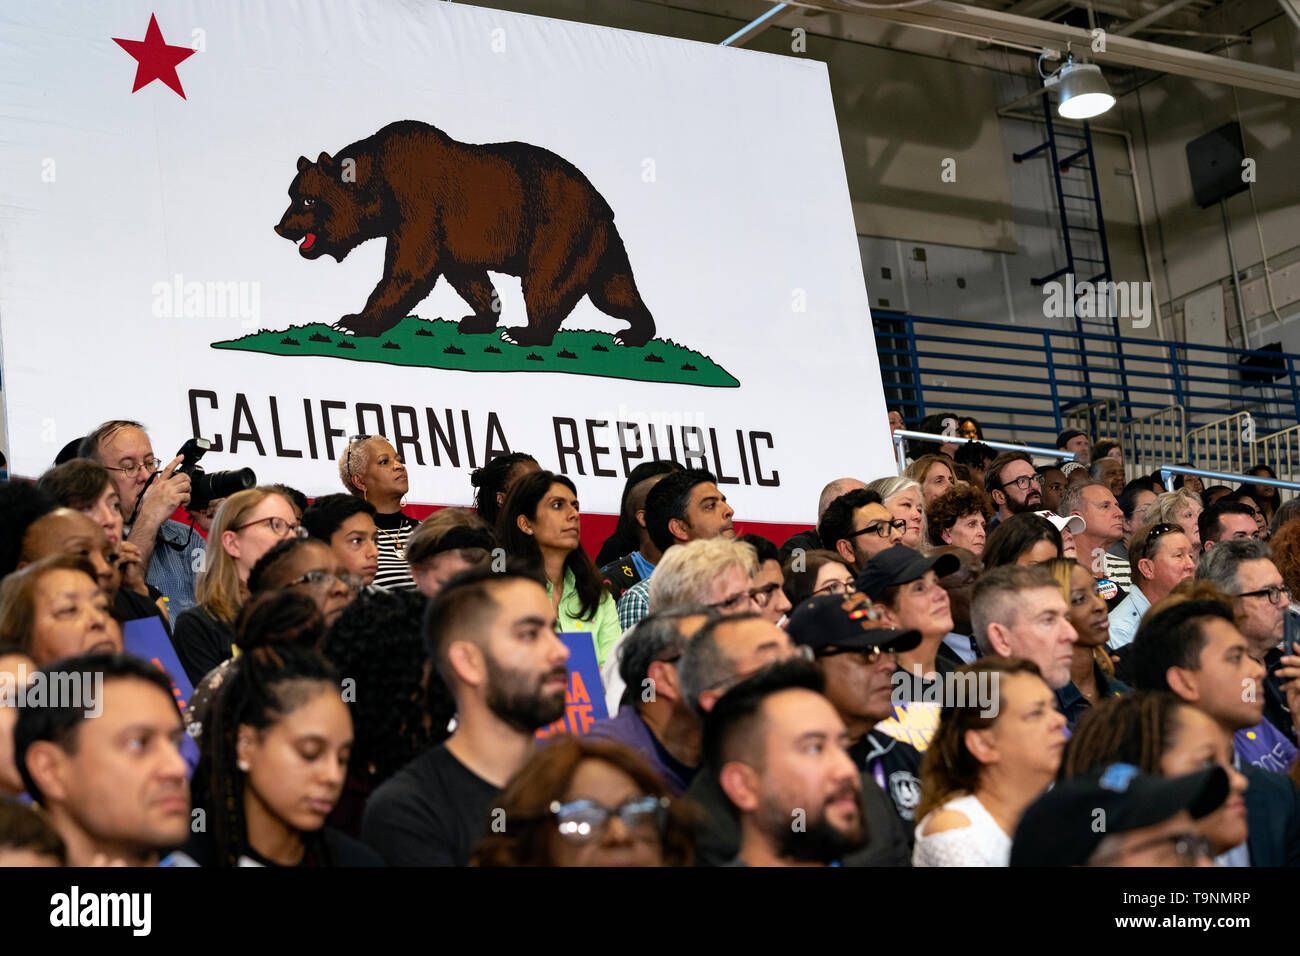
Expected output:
(1073, 524)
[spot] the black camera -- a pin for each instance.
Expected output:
(204, 487)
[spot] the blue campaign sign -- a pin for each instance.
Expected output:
(584, 702)
(146, 638)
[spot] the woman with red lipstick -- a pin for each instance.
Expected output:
(373, 470)
(1159, 734)
(539, 524)
(1091, 669)
(996, 751)
(273, 758)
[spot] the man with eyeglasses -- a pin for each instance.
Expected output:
(1162, 558)
(857, 655)
(768, 590)
(857, 526)
(1191, 646)
(170, 551)
(1014, 485)
(1243, 569)
(1145, 820)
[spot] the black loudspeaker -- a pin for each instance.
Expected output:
(1263, 365)
(1214, 160)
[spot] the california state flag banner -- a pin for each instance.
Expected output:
(278, 225)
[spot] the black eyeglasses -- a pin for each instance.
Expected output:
(1188, 848)
(581, 821)
(837, 587)
(1023, 482)
(1275, 595)
(1154, 534)
(734, 601)
(318, 578)
(882, 528)
(872, 653)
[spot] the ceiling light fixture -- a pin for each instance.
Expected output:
(1083, 91)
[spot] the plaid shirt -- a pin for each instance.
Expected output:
(173, 571)
(634, 604)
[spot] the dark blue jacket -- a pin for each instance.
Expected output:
(1273, 816)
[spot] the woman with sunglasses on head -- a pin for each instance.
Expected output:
(814, 573)
(371, 469)
(1161, 556)
(539, 524)
(580, 802)
(248, 524)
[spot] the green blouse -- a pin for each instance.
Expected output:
(603, 628)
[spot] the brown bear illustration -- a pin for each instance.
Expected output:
(457, 210)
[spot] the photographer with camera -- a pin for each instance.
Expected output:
(149, 494)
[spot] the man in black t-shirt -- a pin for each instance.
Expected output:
(493, 639)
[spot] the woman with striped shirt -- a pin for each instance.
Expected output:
(371, 469)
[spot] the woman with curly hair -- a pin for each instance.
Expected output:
(582, 802)
(1285, 545)
(377, 644)
(960, 517)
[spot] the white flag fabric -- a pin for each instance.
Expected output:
(277, 225)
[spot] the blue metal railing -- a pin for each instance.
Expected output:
(1042, 372)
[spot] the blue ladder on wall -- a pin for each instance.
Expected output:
(1083, 230)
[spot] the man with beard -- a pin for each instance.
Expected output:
(782, 756)
(492, 637)
(1014, 485)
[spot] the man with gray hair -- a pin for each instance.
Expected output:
(1243, 569)
(1103, 521)
(715, 572)
(653, 717)
(1109, 472)
(1019, 612)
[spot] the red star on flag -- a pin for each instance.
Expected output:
(155, 59)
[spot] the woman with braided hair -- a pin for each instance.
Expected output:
(1161, 735)
(273, 760)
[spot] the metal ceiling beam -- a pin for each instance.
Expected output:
(1131, 28)
(1292, 9)
(997, 27)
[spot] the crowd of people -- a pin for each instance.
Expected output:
(958, 665)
